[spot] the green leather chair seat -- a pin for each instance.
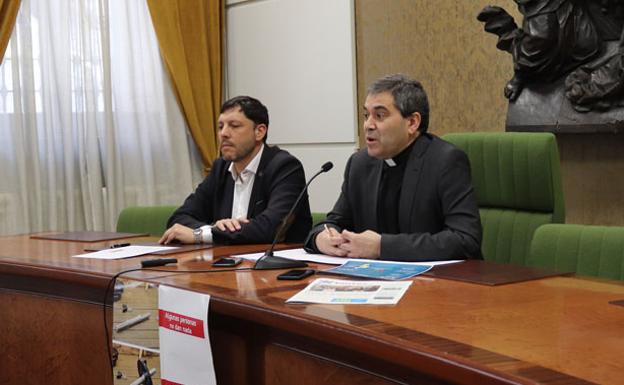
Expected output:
(507, 234)
(145, 219)
(517, 181)
(587, 250)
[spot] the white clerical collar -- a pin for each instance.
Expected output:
(390, 162)
(252, 167)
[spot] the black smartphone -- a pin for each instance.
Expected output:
(227, 262)
(296, 274)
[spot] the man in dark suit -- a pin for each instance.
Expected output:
(248, 191)
(408, 196)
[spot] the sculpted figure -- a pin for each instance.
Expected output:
(600, 85)
(556, 37)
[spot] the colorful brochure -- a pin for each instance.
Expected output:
(392, 271)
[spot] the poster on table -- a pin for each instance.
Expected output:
(185, 354)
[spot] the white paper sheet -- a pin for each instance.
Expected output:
(124, 252)
(302, 255)
(341, 292)
(183, 333)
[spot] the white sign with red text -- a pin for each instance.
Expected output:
(185, 354)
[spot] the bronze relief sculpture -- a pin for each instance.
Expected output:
(577, 46)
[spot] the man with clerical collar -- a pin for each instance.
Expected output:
(248, 191)
(408, 196)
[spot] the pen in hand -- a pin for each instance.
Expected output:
(330, 230)
(335, 242)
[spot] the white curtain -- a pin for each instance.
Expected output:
(88, 121)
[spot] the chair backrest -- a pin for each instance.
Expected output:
(587, 250)
(517, 180)
(145, 219)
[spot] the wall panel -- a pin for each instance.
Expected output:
(298, 58)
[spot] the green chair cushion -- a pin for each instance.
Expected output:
(517, 181)
(145, 219)
(514, 170)
(587, 250)
(507, 233)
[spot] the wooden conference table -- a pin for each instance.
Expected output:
(559, 330)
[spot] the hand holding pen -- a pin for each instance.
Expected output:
(331, 231)
(329, 240)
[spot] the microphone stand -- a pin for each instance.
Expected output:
(270, 261)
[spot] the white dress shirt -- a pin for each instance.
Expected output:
(243, 184)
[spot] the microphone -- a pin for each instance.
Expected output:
(269, 261)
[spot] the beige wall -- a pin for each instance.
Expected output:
(593, 178)
(443, 45)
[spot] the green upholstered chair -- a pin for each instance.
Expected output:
(317, 218)
(587, 250)
(145, 219)
(517, 180)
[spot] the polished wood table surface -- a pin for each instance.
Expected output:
(558, 330)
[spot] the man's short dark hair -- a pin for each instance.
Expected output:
(252, 108)
(409, 96)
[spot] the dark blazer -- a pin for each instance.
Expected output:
(438, 213)
(279, 180)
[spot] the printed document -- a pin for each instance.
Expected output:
(341, 292)
(124, 252)
(183, 333)
(392, 271)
